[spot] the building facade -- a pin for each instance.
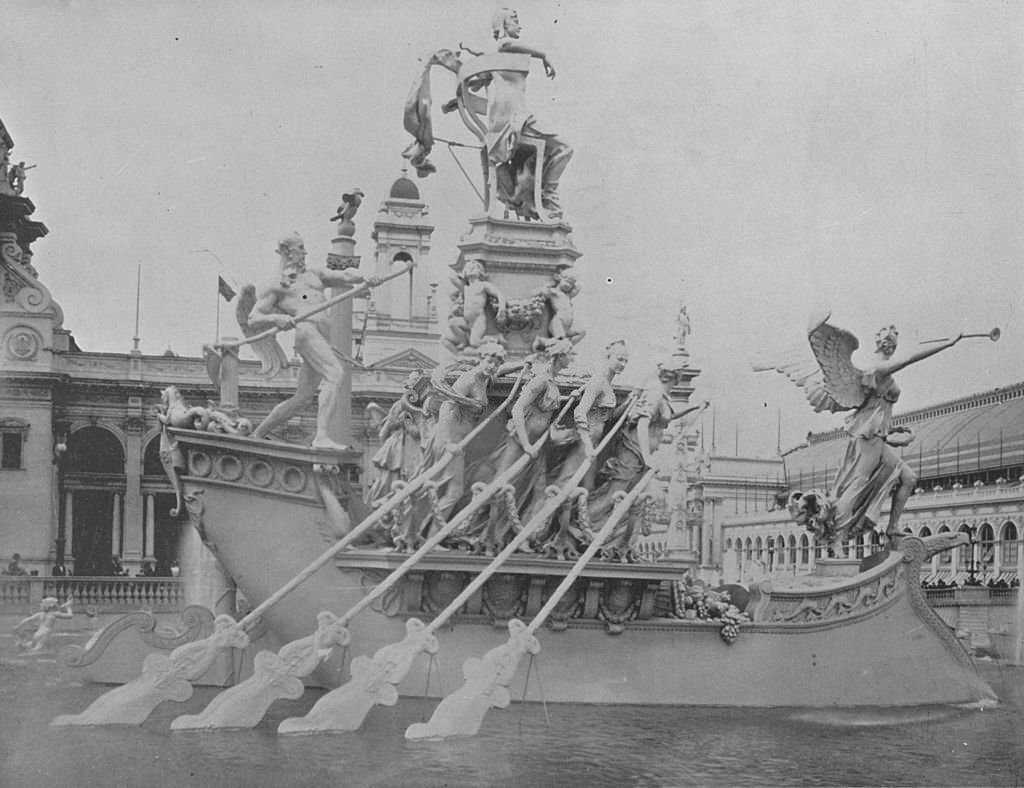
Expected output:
(81, 481)
(968, 455)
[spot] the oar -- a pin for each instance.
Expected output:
(372, 683)
(345, 296)
(462, 712)
(373, 519)
(373, 680)
(169, 677)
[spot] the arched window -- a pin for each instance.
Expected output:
(876, 541)
(151, 465)
(792, 550)
(946, 556)
(728, 545)
(94, 450)
(987, 548)
(750, 549)
(805, 550)
(818, 551)
(759, 549)
(780, 550)
(925, 531)
(964, 551)
(1010, 546)
(859, 541)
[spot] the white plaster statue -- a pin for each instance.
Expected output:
(35, 633)
(278, 303)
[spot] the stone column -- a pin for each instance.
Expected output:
(69, 528)
(150, 529)
(133, 490)
(340, 258)
(115, 526)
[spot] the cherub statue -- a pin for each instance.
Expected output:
(477, 294)
(559, 295)
(871, 472)
(45, 621)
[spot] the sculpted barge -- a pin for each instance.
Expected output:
(497, 539)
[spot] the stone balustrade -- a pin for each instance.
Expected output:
(94, 594)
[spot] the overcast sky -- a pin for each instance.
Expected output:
(754, 159)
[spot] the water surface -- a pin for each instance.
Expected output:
(523, 745)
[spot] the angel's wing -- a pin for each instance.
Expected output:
(830, 380)
(268, 350)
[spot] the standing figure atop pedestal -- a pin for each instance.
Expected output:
(467, 322)
(872, 472)
(295, 291)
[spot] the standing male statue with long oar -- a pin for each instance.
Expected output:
(294, 300)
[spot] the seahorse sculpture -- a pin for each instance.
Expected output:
(163, 678)
(274, 676)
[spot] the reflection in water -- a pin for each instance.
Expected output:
(585, 745)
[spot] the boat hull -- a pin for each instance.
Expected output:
(869, 640)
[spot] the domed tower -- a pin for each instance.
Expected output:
(401, 313)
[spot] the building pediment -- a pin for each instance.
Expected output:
(406, 359)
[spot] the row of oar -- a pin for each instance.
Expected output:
(373, 680)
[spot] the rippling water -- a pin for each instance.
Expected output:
(582, 745)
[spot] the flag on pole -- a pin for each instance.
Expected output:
(226, 290)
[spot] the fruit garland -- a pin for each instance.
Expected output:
(708, 605)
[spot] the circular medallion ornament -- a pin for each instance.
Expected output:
(200, 463)
(293, 479)
(260, 473)
(22, 344)
(229, 467)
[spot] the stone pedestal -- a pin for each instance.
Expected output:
(520, 258)
(837, 567)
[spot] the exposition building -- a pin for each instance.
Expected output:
(81, 479)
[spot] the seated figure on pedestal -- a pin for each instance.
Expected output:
(509, 122)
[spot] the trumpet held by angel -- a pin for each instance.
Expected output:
(871, 473)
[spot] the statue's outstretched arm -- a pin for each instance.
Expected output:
(922, 352)
(522, 49)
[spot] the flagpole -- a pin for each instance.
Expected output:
(217, 296)
(138, 300)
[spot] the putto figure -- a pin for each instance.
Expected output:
(558, 296)
(469, 328)
(295, 291)
(42, 625)
(872, 472)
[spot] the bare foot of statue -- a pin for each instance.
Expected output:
(329, 445)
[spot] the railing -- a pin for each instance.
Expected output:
(999, 596)
(94, 594)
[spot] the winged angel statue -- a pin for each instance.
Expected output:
(871, 472)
